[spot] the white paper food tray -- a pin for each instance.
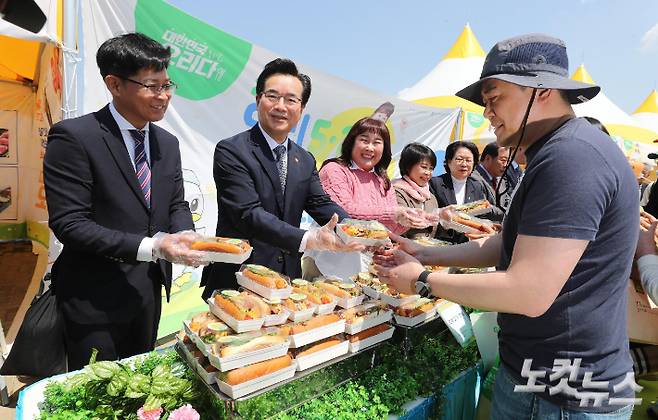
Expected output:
(195, 338)
(245, 388)
(410, 322)
(322, 356)
(223, 257)
(363, 241)
(346, 303)
(325, 308)
(317, 334)
(276, 319)
(238, 326)
(362, 344)
(304, 315)
(244, 359)
(384, 316)
(208, 377)
(186, 351)
(263, 291)
(371, 292)
(395, 302)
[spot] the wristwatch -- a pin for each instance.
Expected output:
(422, 288)
(423, 276)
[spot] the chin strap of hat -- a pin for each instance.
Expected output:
(498, 193)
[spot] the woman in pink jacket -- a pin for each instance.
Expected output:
(357, 180)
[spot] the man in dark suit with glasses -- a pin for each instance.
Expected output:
(114, 189)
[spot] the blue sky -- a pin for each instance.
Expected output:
(388, 45)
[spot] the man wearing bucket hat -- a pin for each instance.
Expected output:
(564, 256)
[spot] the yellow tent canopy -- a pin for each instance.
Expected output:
(650, 104)
(465, 46)
(19, 60)
(615, 120)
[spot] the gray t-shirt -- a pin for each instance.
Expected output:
(577, 185)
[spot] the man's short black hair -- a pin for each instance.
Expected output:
(284, 66)
(414, 153)
(490, 149)
(598, 124)
(125, 55)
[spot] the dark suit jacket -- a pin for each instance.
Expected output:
(252, 205)
(442, 188)
(505, 190)
(444, 191)
(98, 212)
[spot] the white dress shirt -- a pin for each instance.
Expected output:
(460, 190)
(145, 250)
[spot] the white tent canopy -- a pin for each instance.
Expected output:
(600, 107)
(458, 68)
(646, 114)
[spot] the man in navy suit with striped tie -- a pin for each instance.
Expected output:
(113, 181)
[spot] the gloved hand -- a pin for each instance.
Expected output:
(325, 239)
(442, 214)
(175, 248)
(412, 218)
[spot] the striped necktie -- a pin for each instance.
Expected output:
(141, 165)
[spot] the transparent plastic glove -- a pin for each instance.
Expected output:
(175, 248)
(325, 239)
(442, 214)
(412, 218)
(399, 270)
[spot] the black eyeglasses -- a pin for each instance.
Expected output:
(289, 100)
(154, 89)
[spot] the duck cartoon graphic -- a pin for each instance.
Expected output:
(185, 294)
(183, 276)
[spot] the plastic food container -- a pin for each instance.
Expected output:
(369, 322)
(246, 388)
(325, 308)
(347, 302)
(248, 358)
(226, 257)
(238, 326)
(258, 288)
(463, 228)
(395, 302)
(418, 319)
(304, 314)
(475, 208)
(365, 343)
(317, 334)
(314, 359)
(366, 225)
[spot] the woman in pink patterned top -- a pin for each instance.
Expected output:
(358, 182)
(357, 179)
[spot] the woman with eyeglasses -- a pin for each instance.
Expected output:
(456, 186)
(358, 182)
